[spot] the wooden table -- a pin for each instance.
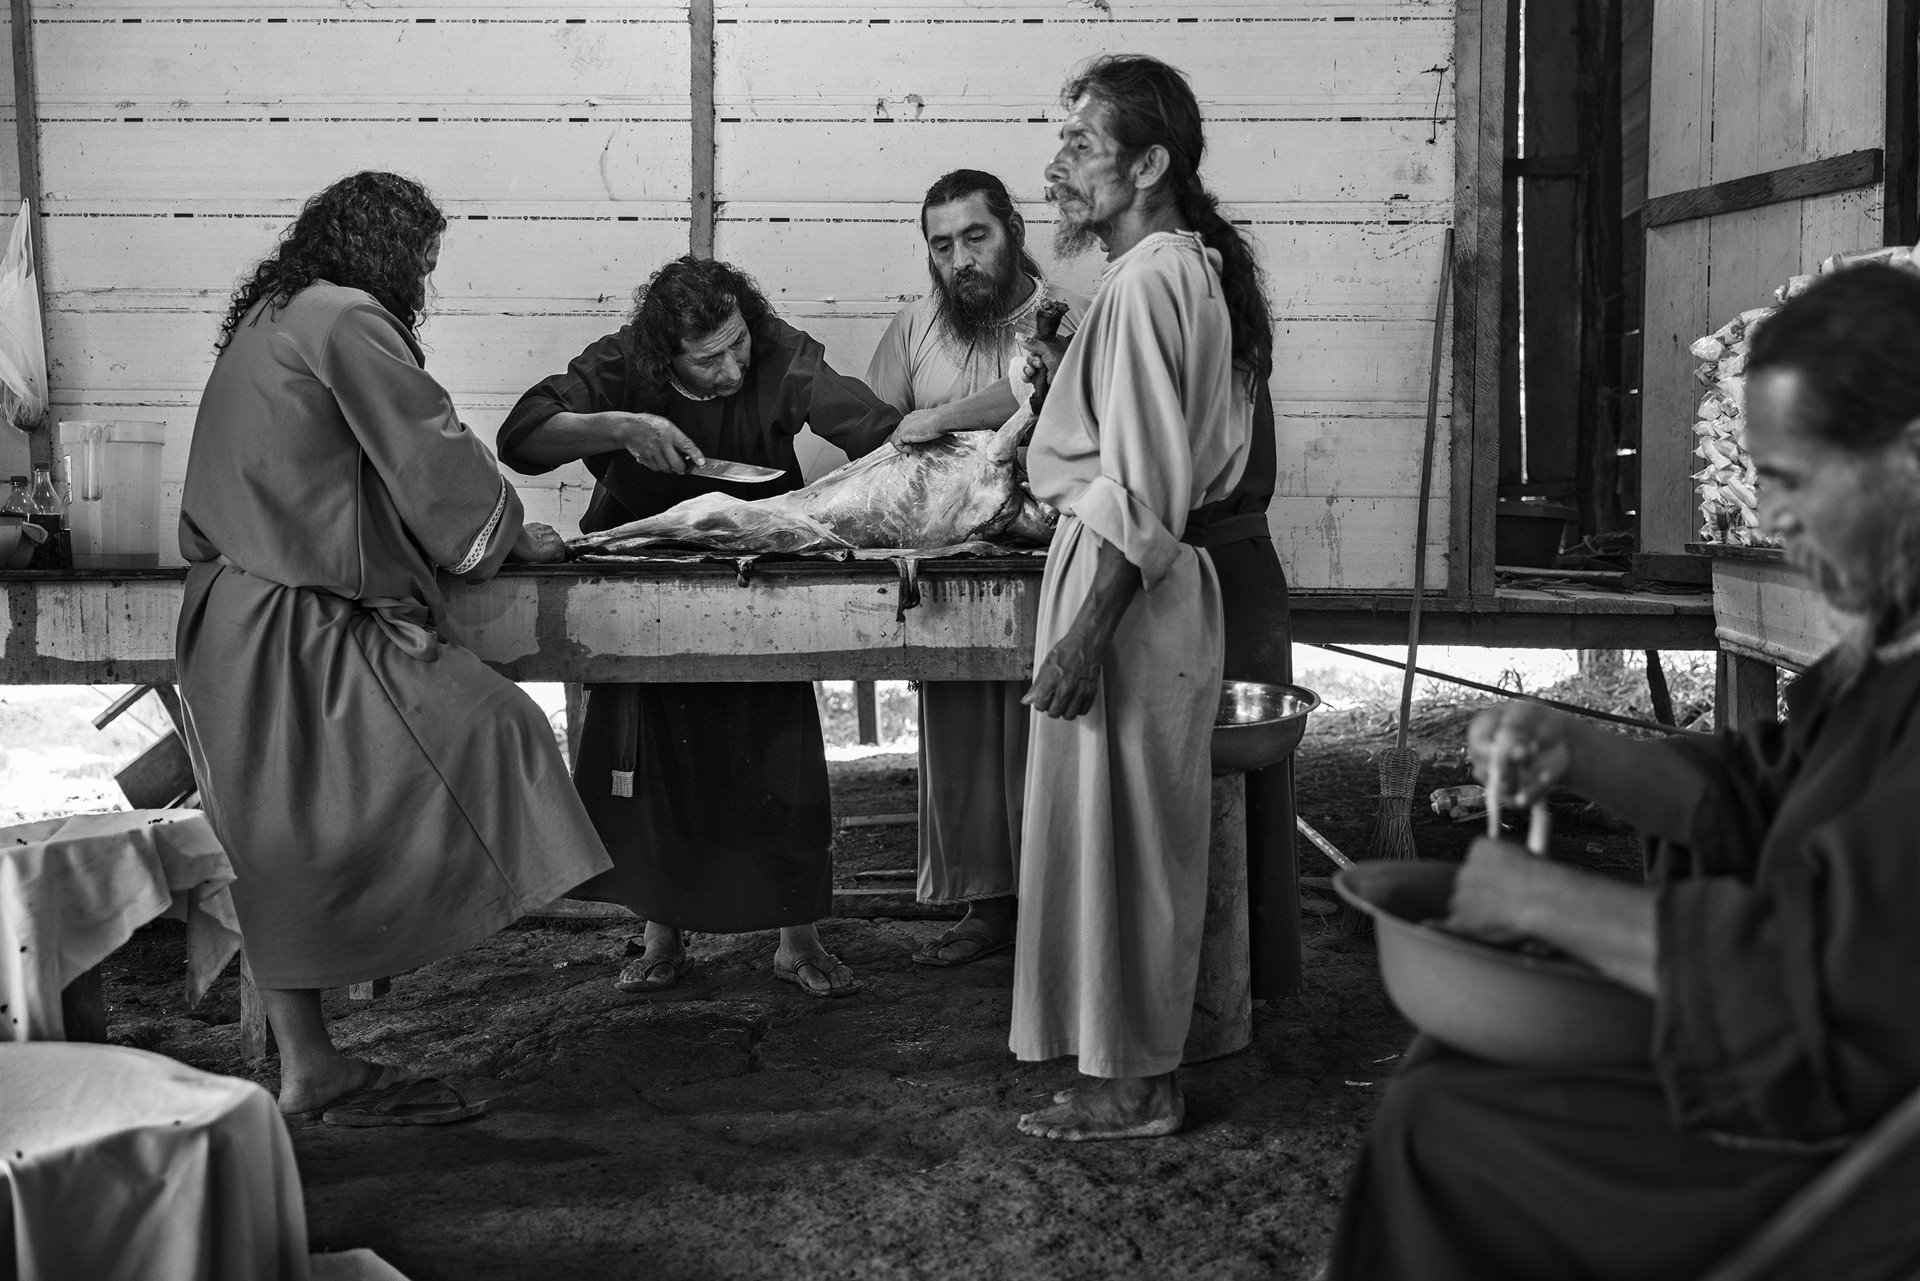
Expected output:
(1766, 617)
(797, 620)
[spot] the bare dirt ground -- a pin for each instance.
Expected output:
(735, 1128)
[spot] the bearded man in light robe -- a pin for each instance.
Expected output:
(944, 362)
(1148, 418)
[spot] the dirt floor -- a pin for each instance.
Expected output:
(734, 1128)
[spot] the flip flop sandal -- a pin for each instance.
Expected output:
(985, 945)
(380, 1076)
(793, 975)
(429, 1101)
(648, 976)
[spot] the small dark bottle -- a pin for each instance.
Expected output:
(50, 514)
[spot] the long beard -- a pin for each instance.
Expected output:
(1071, 239)
(977, 319)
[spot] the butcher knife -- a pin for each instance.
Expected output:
(745, 473)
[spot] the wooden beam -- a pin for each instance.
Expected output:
(26, 135)
(1776, 186)
(1481, 113)
(1900, 208)
(700, 32)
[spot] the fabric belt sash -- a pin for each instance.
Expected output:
(1202, 532)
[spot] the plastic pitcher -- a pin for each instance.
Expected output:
(113, 502)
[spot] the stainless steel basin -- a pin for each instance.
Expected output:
(1258, 724)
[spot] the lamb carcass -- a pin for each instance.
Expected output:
(964, 488)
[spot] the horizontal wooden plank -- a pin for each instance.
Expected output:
(1331, 449)
(47, 12)
(598, 259)
(1316, 262)
(88, 163)
(1251, 161)
(1356, 543)
(1776, 186)
(339, 68)
(482, 352)
(1081, 11)
(988, 69)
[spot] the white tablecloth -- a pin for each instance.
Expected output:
(74, 889)
(125, 1165)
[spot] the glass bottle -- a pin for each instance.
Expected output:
(50, 514)
(19, 499)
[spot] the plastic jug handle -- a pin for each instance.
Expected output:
(34, 533)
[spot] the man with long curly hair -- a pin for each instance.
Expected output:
(1148, 424)
(712, 798)
(385, 797)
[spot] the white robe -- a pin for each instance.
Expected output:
(973, 734)
(1146, 420)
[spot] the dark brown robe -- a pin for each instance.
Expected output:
(385, 797)
(1787, 1021)
(729, 823)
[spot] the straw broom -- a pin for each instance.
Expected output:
(1399, 766)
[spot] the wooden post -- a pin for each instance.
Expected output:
(866, 710)
(1481, 218)
(700, 29)
(1901, 200)
(1746, 690)
(26, 132)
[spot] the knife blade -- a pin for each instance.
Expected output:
(745, 473)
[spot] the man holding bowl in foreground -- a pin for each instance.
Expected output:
(1777, 930)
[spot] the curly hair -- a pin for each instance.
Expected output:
(689, 298)
(370, 231)
(1149, 103)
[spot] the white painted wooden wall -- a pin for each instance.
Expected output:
(179, 139)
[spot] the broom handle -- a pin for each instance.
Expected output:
(1426, 490)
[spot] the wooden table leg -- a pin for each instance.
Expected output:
(1746, 690)
(866, 712)
(83, 1008)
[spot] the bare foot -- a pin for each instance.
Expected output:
(1138, 1107)
(334, 1079)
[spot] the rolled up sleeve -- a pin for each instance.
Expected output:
(1139, 501)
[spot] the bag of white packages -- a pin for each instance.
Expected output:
(23, 347)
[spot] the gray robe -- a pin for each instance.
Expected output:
(386, 799)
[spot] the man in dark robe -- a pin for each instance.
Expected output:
(727, 825)
(1776, 935)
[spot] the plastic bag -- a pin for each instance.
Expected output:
(23, 347)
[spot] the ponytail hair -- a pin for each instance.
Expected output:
(1150, 104)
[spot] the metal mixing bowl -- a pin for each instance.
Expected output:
(1498, 1004)
(1258, 724)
